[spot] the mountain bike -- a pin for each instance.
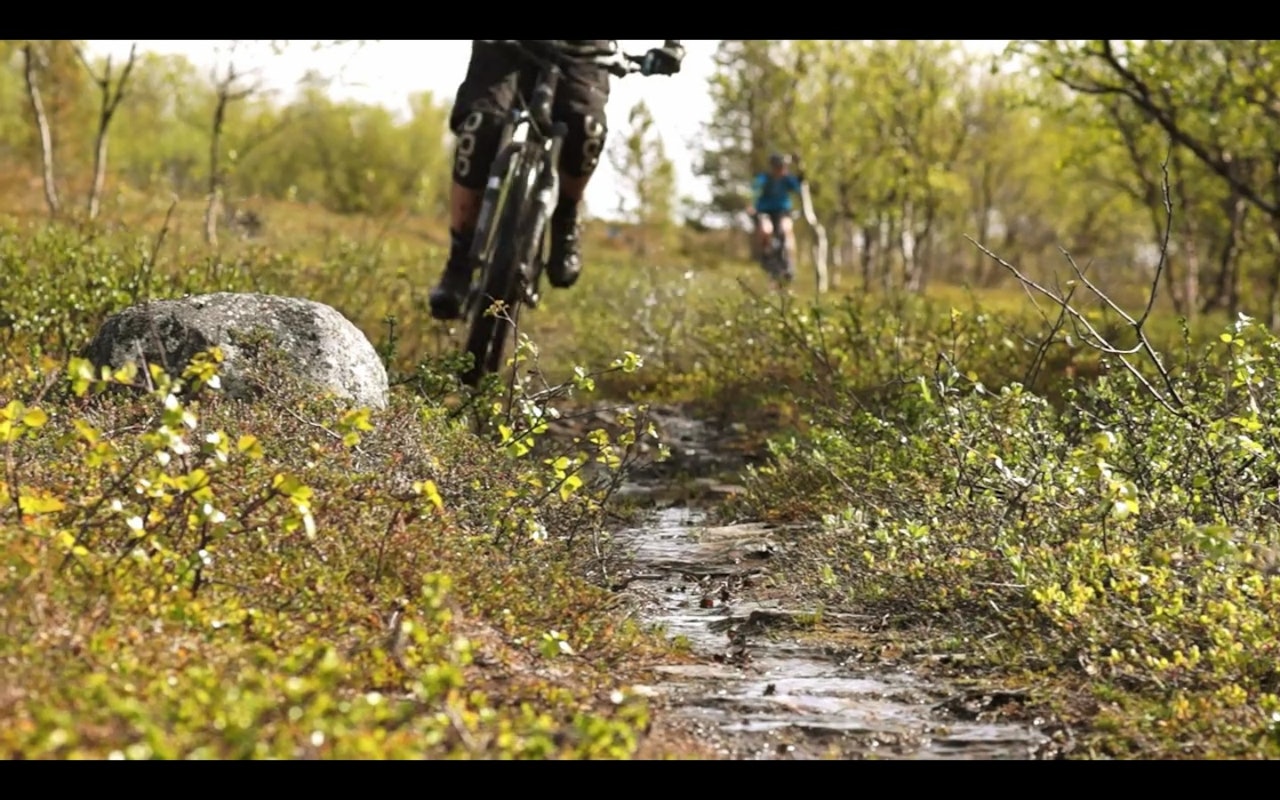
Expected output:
(523, 187)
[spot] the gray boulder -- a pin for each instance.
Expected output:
(319, 345)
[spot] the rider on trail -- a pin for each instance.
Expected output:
(479, 114)
(771, 205)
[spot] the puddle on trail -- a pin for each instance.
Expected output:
(758, 694)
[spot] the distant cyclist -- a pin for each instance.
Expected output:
(771, 206)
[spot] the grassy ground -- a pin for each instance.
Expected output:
(1049, 517)
(198, 578)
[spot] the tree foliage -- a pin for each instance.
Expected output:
(647, 174)
(345, 156)
(912, 146)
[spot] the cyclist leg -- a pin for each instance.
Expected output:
(479, 113)
(764, 227)
(757, 226)
(580, 104)
(788, 233)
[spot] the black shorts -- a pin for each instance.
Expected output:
(774, 216)
(491, 84)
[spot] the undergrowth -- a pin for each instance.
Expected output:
(1117, 530)
(191, 576)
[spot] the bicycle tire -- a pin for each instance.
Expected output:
(500, 282)
(530, 218)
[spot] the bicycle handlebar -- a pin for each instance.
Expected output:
(611, 58)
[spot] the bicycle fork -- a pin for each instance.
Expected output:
(545, 196)
(482, 246)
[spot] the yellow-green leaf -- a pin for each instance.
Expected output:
(570, 485)
(429, 489)
(32, 504)
(290, 486)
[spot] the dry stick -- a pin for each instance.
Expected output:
(1100, 342)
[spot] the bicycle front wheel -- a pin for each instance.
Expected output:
(501, 285)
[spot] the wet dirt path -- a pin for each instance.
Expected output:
(764, 686)
(762, 691)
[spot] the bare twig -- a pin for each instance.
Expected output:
(1042, 350)
(143, 279)
(1090, 335)
(1100, 342)
(1164, 244)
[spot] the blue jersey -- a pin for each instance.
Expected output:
(773, 194)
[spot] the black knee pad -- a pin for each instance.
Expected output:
(479, 135)
(583, 144)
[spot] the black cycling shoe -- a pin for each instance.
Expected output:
(448, 296)
(564, 264)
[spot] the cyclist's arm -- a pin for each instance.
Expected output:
(757, 189)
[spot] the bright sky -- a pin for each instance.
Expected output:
(387, 72)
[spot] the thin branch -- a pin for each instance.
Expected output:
(111, 98)
(1164, 244)
(1078, 317)
(89, 67)
(1037, 362)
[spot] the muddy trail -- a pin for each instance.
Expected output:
(770, 678)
